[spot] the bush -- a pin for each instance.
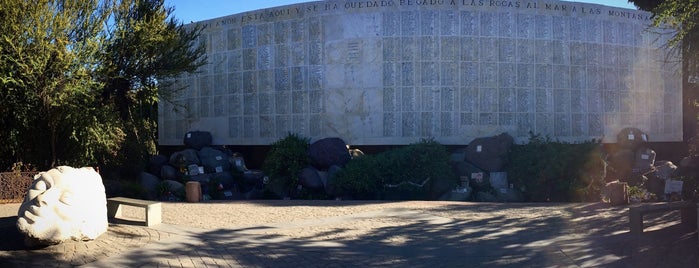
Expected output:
(404, 169)
(284, 161)
(548, 170)
(360, 178)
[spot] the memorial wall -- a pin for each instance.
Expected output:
(393, 72)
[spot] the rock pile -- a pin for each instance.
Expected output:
(221, 173)
(328, 156)
(481, 167)
(633, 163)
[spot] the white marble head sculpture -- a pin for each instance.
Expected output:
(63, 203)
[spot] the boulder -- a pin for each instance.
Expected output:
(310, 179)
(688, 166)
(498, 180)
(184, 158)
(174, 186)
(465, 169)
(509, 195)
(458, 194)
(197, 139)
(149, 182)
(665, 170)
(168, 172)
(327, 152)
(489, 153)
(655, 185)
(214, 161)
(204, 179)
(331, 185)
(458, 156)
(61, 204)
(237, 162)
(323, 175)
(468, 173)
(644, 160)
(631, 138)
(440, 186)
(253, 179)
(690, 162)
(621, 164)
(155, 163)
(485, 197)
(224, 180)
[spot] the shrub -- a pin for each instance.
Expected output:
(284, 161)
(404, 169)
(556, 171)
(360, 178)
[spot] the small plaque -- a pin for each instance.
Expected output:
(201, 170)
(645, 157)
(503, 190)
(673, 186)
(192, 170)
(477, 176)
(189, 135)
(219, 169)
(479, 148)
(631, 137)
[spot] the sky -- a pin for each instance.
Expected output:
(197, 10)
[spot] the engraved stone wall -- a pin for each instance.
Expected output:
(395, 71)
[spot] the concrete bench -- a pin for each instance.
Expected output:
(688, 213)
(153, 208)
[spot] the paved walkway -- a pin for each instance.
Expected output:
(410, 235)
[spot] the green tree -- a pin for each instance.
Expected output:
(79, 79)
(145, 47)
(48, 55)
(681, 19)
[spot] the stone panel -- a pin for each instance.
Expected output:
(392, 74)
(282, 102)
(391, 24)
(299, 102)
(429, 22)
(562, 126)
(409, 23)
(526, 100)
(470, 48)
(526, 124)
(508, 75)
(561, 101)
(470, 23)
(508, 49)
(448, 99)
(507, 100)
(449, 74)
(489, 98)
(449, 23)
(469, 100)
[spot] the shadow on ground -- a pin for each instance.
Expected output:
(469, 235)
(119, 238)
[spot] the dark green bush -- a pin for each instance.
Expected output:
(284, 161)
(360, 178)
(556, 171)
(398, 173)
